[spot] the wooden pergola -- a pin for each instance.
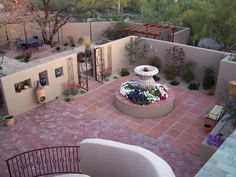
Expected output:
(157, 31)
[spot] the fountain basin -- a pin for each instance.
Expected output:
(156, 109)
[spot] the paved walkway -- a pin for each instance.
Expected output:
(175, 137)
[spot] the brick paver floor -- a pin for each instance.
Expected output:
(175, 137)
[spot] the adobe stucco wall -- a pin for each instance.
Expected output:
(17, 103)
(227, 72)
(118, 54)
(76, 30)
(182, 36)
(202, 57)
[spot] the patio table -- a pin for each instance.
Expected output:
(29, 43)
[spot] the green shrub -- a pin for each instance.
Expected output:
(208, 78)
(187, 71)
(174, 82)
(156, 78)
(170, 72)
(66, 44)
(58, 49)
(72, 45)
(124, 72)
(211, 92)
(74, 91)
(67, 92)
(19, 57)
(2, 51)
(82, 91)
(0, 67)
(193, 85)
(154, 61)
(26, 59)
(116, 32)
(232, 58)
(68, 99)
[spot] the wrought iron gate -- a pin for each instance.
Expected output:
(99, 64)
(83, 71)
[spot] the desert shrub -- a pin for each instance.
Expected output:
(66, 92)
(193, 85)
(124, 72)
(82, 91)
(117, 31)
(26, 59)
(208, 78)
(2, 51)
(19, 57)
(187, 71)
(58, 48)
(170, 72)
(68, 99)
(156, 78)
(154, 61)
(174, 82)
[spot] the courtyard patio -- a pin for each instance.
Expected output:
(175, 137)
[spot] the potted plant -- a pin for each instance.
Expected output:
(26, 84)
(8, 120)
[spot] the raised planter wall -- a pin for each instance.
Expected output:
(227, 72)
(17, 103)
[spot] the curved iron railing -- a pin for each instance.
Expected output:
(45, 161)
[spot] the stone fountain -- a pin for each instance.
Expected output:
(144, 83)
(145, 75)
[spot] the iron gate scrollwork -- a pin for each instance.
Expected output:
(83, 71)
(99, 64)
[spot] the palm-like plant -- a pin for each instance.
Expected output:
(136, 50)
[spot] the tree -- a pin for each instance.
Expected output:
(221, 25)
(11, 12)
(51, 17)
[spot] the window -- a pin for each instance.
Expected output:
(43, 78)
(23, 85)
(58, 72)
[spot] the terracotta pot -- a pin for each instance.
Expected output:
(207, 128)
(8, 120)
(41, 95)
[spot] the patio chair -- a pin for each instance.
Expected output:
(215, 114)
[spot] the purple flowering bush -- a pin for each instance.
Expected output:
(215, 140)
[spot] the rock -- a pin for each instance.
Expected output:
(210, 43)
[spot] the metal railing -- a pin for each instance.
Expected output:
(45, 161)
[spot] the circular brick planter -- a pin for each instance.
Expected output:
(156, 109)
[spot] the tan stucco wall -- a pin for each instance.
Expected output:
(202, 57)
(76, 30)
(25, 100)
(182, 36)
(118, 53)
(227, 72)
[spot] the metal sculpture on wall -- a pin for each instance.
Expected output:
(99, 64)
(82, 71)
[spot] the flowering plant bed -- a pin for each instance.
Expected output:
(130, 90)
